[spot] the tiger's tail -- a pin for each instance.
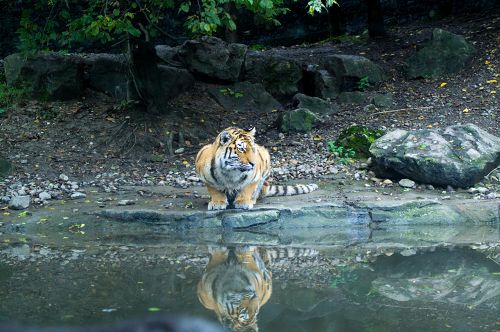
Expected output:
(297, 189)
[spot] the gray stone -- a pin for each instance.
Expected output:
(173, 81)
(298, 120)
(446, 53)
(214, 58)
(19, 202)
(459, 155)
(353, 97)
(63, 177)
(125, 202)
(279, 76)
(314, 104)
(245, 97)
(407, 183)
(109, 73)
(321, 83)
(168, 54)
(350, 69)
(44, 196)
(382, 100)
(51, 76)
(78, 195)
(249, 219)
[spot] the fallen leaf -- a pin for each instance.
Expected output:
(443, 84)
(487, 62)
(491, 81)
(493, 91)
(429, 126)
(466, 110)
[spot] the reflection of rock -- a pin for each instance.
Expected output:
(235, 284)
(452, 281)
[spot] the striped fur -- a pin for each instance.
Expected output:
(235, 170)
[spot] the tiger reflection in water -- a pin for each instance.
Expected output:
(236, 284)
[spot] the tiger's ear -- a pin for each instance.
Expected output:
(224, 137)
(251, 131)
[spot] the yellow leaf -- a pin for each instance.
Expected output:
(466, 110)
(487, 62)
(317, 137)
(274, 110)
(275, 148)
(443, 84)
(6, 213)
(429, 126)
(491, 81)
(185, 162)
(493, 91)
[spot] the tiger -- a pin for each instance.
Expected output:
(236, 170)
(236, 284)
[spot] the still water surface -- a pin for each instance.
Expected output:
(276, 289)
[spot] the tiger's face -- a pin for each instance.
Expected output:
(236, 150)
(241, 311)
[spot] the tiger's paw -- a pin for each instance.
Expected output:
(215, 205)
(245, 205)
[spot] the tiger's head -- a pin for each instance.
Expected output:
(236, 150)
(240, 311)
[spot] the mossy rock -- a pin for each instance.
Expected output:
(358, 138)
(300, 120)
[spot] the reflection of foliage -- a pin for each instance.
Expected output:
(346, 275)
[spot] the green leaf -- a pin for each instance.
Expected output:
(154, 309)
(116, 12)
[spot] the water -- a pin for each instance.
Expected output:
(296, 289)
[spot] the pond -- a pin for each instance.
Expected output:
(274, 288)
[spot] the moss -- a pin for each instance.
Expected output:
(358, 138)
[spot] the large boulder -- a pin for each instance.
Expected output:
(300, 120)
(446, 53)
(459, 155)
(316, 105)
(320, 83)
(174, 81)
(168, 54)
(350, 69)
(279, 76)
(212, 57)
(109, 73)
(51, 76)
(245, 96)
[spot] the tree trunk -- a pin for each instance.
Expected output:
(335, 23)
(231, 36)
(376, 26)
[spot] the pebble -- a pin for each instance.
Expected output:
(63, 177)
(483, 190)
(407, 183)
(179, 151)
(492, 196)
(44, 196)
(387, 182)
(124, 202)
(19, 202)
(78, 195)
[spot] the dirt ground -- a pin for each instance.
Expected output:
(94, 136)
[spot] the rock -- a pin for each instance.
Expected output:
(214, 58)
(279, 76)
(407, 183)
(167, 54)
(387, 182)
(299, 120)
(52, 76)
(5, 167)
(382, 100)
(320, 83)
(359, 139)
(77, 195)
(353, 97)
(125, 202)
(178, 151)
(19, 202)
(63, 177)
(314, 104)
(173, 81)
(458, 155)
(44, 196)
(245, 97)
(446, 53)
(350, 69)
(483, 190)
(109, 74)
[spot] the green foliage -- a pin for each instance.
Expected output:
(344, 155)
(73, 23)
(363, 84)
(9, 96)
(231, 92)
(257, 47)
(358, 139)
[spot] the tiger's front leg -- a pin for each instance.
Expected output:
(218, 200)
(245, 198)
